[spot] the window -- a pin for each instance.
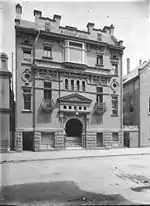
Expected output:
(115, 105)
(115, 136)
(78, 85)
(99, 60)
(83, 85)
(80, 108)
(3, 63)
(66, 83)
(47, 90)
(27, 98)
(149, 106)
(27, 55)
(99, 95)
(115, 68)
(131, 108)
(74, 52)
(47, 52)
(65, 107)
(85, 108)
(72, 84)
(70, 107)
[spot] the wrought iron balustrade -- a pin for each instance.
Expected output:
(47, 105)
(100, 108)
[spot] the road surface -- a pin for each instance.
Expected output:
(91, 181)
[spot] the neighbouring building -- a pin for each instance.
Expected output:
(68, 85)
(5, 89)
(136, 103)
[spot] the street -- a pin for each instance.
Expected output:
(91, 181)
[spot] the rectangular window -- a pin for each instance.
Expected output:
(27, 99)
(149, 106)
(99, 60)
(115, 136)
(99, 95)
(131, 108)
(47, 52)
(115, 105)
(47, 90)
(115, 68)
(27, 55)
(3, 63)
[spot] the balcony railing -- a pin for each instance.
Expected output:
(100, 108)
(47, 105)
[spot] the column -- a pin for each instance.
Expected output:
(36, 141)
(18, 141)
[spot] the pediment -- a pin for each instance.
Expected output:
(74, 98)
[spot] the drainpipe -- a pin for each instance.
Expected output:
(139, 117)
(121, 101)
(33, 82)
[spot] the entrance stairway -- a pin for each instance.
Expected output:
(73, 142)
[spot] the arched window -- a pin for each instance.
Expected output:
(66, 83)
(78, 85)
(83, 85)
(72, 84)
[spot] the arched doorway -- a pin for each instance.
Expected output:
(73, 133)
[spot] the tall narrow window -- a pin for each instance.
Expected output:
(149, 105)
(27, 55)
(3, 63)
(115, 105)
(27, 98)
(72, 84)
(115, 69)
(99, 60)
(83, 85)
(47, 91)
(47, 52)
(99, 95)
(78, 85)
(66, 83)
(131, 103)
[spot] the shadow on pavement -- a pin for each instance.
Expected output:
(65, 192)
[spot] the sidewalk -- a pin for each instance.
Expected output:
(70, 154)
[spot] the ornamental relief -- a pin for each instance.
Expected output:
(26, 39)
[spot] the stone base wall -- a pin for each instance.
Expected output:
(36, 141)
(18, 141)
(90, 140)
(109, 142)
(59, 140)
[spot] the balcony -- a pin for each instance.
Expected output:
(100, 108)
(47, 105)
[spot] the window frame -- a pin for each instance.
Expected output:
(114, 108)
(100, 60)
(29, 57)
(114, 137)
(149, 105)
(47, 50)
(26, 102)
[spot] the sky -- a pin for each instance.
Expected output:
(130, 18)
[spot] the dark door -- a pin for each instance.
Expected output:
(73, 133)
(99, 140)
(28, 141)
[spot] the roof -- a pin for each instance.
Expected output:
(134, 73)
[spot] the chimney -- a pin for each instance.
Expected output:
(18, 11)
(90, 27)
(128, 65)
(37, 15)
(120, 43)
(140, 61)
(57, 19)
(112, 29)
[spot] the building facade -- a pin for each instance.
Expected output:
(68, 85)
(5, 90)
(136, 101)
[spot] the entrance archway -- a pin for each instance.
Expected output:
(73, 133)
